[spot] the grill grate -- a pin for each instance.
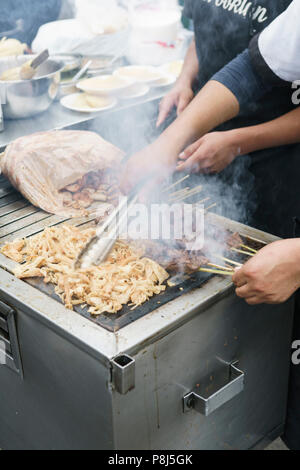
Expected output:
(19, 219)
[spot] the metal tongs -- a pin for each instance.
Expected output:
(98, 248)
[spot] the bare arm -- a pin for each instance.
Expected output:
(281, 131)
(213, 105)
(191, 66)
(216, 150)
(182, 92)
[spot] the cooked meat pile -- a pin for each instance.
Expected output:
(43, 165)
(176, 258)
(98, 186)
(127, 277)
(173, 259)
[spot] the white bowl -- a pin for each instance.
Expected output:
(73, 103)
(173, 68)
(140, 73)
(105, 85)
(166, 81)
(135, 91)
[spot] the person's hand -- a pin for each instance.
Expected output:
(272, 276)
(154, 163)
(210, 154)
(180, 97)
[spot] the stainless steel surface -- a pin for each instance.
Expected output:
(123, 373)
(68, 393)
(258, 338)
(209, 397)
(9, 338)
(58, 117)
(27, 98)
(64, 400)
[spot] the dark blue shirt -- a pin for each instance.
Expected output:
(241, 78)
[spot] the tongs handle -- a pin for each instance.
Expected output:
(98, 247)
(105, 244)
(40, 59)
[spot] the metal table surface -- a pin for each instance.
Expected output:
(58, 117)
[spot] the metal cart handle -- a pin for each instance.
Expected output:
(9, 345)
(207, 405)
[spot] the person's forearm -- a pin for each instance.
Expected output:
(213, 105)
(282, 131)
(190, 68)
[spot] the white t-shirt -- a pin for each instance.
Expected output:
(279, 44)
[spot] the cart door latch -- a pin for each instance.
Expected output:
(123, 373)
(9, 346)
(207, 399)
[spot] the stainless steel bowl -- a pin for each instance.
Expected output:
(27, 98)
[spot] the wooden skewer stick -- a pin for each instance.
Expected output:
(210, 207)
(229, 261)
(249, 249)
(222, 268)
(181, 191)
(216, 271)
(196, 190)
(247, 253)
(203, 200)
(189, 194)
(178, 195)
(175, 184)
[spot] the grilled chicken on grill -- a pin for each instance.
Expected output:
(127, 277)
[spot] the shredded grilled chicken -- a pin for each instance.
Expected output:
(125, 278)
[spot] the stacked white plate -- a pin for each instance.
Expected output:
(129, 82)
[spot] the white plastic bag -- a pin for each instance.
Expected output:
(96, 30)
(101, 16)
(41, 164)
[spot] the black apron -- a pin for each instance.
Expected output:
(292, 431)
(266, 183)
(268, 179)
